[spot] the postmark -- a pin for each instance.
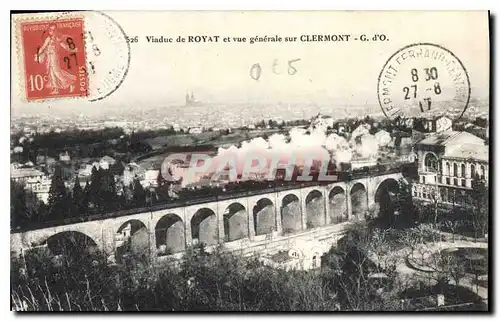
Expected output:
(108, 54)
(423, 79)
(54, 58)
(86, 56)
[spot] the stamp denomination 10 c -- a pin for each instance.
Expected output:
(54, 58)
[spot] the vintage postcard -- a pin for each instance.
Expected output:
(250, 161)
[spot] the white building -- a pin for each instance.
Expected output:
(85, 170)
(18, 149)
(106, 161)
(96, 165)
(150, 177)
(448, 162)
(442, 124)
(64, 157)
(132, 171)
(41, 189)
(26, 175)
(34, 180)
(14, 165)
(438, 124)
(295, 259)
(383, 137)
(405, 122)
(322, 122)
(195, 130)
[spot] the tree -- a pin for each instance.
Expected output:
(409, 238)
(128, 193)
(362, 271)
(85, 201)
(95, 187)
(107, 190)
(117, 168)
(58, 198)
(404, 202)
(139, 193)
(163, 185)
(452, 267)
(160, 180)
(18, 209)
(480, 210)
(452, 225)
(78, 198)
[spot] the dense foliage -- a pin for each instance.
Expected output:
(359, 274)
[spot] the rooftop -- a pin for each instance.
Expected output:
(449, 138)
(25, 172)
(475, 151)
(108, 159)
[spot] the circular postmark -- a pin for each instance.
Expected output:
(108, 54)
(423, 79)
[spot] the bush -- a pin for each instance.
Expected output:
(202, 282)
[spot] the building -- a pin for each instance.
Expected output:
(404, 122)
(195, 130)
(191, 100)
(361, 162)
(14, 165)
(384, 138)
(85, 170)
(50, 162)
(106, 161)
(436, 125)
(67, 172)
(448, 162)
(150, 177)
(96, 165)
(361, 130)
(40, 159)
(18, 149)
(322, 122)
(34, 180)
(131, 172)
(176, 127)
(26, 175)
(304, 256)
(64, 157)
(41, 189)
(442, 124)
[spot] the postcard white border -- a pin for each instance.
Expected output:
(492, 5)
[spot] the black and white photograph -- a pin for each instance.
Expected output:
(250, 161)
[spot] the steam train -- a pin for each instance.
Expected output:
(348, 171)
(340, 172)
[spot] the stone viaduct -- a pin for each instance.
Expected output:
(234, 220)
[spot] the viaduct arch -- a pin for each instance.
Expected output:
(385, 196)
(169, 234)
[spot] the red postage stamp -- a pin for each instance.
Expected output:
(54, 58)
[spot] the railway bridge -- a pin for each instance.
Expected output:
(241, 220)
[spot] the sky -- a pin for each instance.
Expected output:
(338, 73)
